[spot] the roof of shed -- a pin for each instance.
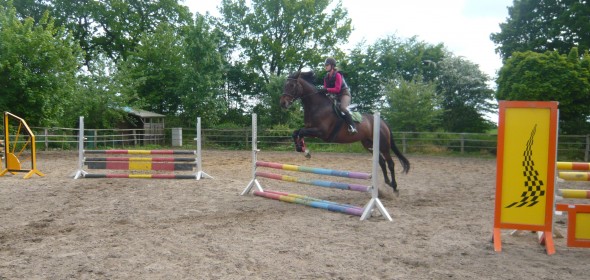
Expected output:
(142, 113)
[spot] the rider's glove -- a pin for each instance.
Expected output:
(322, 90)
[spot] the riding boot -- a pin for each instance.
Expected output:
(350, 122)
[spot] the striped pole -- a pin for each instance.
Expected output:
(156, 159)
(310, 201)
(321, 171)
(140, 176)
(574, 176)
(142, 152)
(562, 165)
(570, 193)
(320, 183)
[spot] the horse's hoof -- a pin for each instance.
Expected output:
(307, 154)
(396, 192)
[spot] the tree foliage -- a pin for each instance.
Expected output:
(98, 98)
(276, 36)
(175, 72)
(369, 69)
(110, 54)
(111, 27)
(544, 25)
(38, 66)
(550, 76)
(465, 95)
(413, 106)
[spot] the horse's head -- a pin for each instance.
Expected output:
(291, 91)
(297, 86)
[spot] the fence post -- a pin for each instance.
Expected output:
(46, 141)
(247, 138)
(587, 151)
(94, 143)
(403, 142)
(462, 143)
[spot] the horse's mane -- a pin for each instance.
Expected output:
(309, 76)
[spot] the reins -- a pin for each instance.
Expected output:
(293, 96)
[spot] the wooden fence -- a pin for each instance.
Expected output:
(570, 147)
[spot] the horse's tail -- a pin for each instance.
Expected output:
(402, 159)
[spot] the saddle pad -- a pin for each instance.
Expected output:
(356, 116)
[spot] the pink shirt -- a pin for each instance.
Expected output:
(337, 84)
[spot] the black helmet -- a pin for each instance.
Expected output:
(330, 61)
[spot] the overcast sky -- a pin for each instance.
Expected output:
(464, 26)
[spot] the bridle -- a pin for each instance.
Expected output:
(299, 88)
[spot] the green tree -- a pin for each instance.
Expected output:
(276, 36)
(111, 27)
(465, 94)
(368, 69)
(413, 106)
(200, 88)
(550, 76)
(544, 25)
(27, 8)
(38, 66)
(155, 71)
(98, 98)
(176, 72)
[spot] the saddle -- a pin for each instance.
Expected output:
(356, 116)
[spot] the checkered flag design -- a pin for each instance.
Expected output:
(534, 187)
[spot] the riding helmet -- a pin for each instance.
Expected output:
(330, 61)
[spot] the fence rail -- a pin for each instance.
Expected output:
(570, 147)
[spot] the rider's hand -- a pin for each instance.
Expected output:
(322, 90)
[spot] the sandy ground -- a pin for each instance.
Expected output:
(54, 227)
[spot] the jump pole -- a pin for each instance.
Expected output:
(373, 203)
(578, 215)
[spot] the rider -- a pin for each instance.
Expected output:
(334, 83)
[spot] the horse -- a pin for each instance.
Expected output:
(321, 121)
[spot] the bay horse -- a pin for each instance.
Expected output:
(321, 121)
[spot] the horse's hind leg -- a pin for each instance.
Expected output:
(384, 170)
(390, 165)
(369, 146)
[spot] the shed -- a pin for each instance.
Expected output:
(149, 123)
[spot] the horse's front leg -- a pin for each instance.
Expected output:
(298, 138)
(298, 141)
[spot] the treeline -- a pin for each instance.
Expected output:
(61, 59)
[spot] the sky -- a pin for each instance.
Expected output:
(463, 26)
